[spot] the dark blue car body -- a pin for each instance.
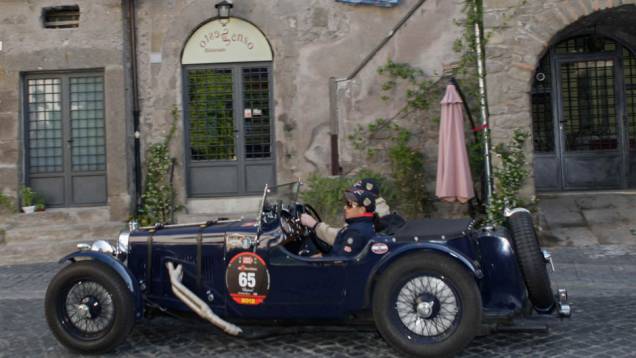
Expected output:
(302, 288)
(428, 284)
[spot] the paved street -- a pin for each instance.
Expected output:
(600, 280)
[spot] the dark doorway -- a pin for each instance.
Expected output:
(229, 131)
(65, 150)
(584, 123)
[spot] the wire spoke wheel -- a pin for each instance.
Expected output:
(89, 308)
(427, 306)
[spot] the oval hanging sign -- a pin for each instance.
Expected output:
(247, 279)
(219, 42)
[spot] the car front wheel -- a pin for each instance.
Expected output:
(88, 307)
(428, 305)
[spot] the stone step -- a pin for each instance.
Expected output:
(34, 251)
(54, 233)
(84, 215)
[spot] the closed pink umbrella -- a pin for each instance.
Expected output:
(454, 181)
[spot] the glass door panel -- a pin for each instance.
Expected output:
(211, 115)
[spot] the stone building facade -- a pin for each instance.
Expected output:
(274, 93)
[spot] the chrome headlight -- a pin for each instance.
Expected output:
(122, 242)
(102, 246)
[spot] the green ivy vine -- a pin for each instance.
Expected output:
(510, 175)
(405, 161)
(158, 198)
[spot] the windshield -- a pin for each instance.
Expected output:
(277, 198)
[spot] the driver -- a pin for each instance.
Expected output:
(358, 213)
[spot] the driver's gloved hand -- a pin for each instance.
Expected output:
(308, 221)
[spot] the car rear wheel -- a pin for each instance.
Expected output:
(531, 261)
(88, 307)
(427, 304)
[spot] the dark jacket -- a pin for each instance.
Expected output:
(353, 237)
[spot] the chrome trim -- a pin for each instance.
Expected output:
(122, 242)
(547, 257)
(196, 304)
(425, 309)
(102, 246)
(84, 246)
(564, 309)
(133, 225)
(179, 239)
(509, 212)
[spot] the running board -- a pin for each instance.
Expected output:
(195, 303)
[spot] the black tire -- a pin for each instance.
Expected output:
(531, 261)
(432, 268)
(114, 309)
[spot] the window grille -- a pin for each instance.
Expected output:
(256, 104)
(629, 70)
(586, 44)
(61, 17)
(87, 124)
(589, 105)
(45, 125)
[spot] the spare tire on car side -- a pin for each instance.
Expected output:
(531, 261)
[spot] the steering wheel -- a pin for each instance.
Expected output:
(311, 211)
(291, 226)
(322, 246)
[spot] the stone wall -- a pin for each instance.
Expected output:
(519, 35)
(312, 41)
(28, 47)
(425, 42)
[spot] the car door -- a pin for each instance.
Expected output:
(297, 288)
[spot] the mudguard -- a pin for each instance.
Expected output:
(418, 247)
(119, 268)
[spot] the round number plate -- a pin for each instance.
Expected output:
(247, 279)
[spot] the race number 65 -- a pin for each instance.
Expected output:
(247, 279)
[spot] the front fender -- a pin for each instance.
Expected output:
(119, 268)
(417, 247)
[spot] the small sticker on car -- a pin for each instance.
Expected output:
(247, 279)
(379, 248)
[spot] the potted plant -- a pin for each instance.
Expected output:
(38, 201)
(27, 195)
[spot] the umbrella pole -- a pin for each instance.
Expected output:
(483, 102)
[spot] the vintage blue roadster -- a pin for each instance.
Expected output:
(429, 286)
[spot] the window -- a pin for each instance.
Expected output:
(61, 17)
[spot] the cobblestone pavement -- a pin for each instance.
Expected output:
(599, 279)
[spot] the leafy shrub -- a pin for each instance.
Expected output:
(325, 194)
(7, 204)
(159, 194)
(509, 177)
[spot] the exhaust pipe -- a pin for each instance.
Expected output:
(195, 303)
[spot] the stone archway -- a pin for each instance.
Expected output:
(520, 36)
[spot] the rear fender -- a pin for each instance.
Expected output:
(119, 268)
(402, 251)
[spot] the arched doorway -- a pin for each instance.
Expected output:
(584, 115)
(227, 78)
